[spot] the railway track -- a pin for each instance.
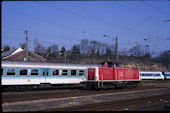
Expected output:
(99, 99)
(67, 92)
(44, 94)
(137, 104)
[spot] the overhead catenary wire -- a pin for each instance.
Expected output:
(61, 44)
(81, 31)
(143, 21)
(141, 13)
(128, 29)
(51, 22)
(164, 12)
(95, 19)
(77, 53)
(51, 35)
(68, 38)
(57, 36)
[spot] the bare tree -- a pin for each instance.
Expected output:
(23, 46)
(84, 46)
(39, 48)
(54, 48)
(137, 51)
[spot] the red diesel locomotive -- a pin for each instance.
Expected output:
(111, 75)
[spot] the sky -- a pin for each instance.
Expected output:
(66, 23)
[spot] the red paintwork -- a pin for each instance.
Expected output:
(111, 73)
(91, 74)
(114, 73)
(106, 64)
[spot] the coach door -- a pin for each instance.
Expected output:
(45, 73)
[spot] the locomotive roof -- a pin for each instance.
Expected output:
(112, 62)
(43, 64)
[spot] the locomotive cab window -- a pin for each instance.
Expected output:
(73, 72)
(119, 65)
(11, 71)
(64, 72)
(81, 72)
(34, 72)
(23, 72)
(55, 72)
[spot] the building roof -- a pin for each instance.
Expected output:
(19, 55)
(10, 52)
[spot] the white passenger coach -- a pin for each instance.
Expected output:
(151, 75)
(25, 75)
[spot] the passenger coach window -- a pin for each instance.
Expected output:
(10, 71)
(23, 72)
(34, 72)
(2, 71)
(73, 72)
(157, 74)
(81, 72)
(55, 72)
(64, 72)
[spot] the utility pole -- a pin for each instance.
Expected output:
(65, 57)
(26, 50)
(116, 50)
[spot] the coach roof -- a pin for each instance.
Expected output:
(44, 64)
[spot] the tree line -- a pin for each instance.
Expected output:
(92, 48)
(89, 49)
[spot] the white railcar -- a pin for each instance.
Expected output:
(166, 75)
(151, 75)
(24, 75)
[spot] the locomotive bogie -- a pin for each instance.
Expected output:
(110, 84)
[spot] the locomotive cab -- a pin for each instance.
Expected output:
(114, 64)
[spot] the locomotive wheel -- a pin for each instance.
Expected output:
(135, 85)
(129, 85)
(98, 89)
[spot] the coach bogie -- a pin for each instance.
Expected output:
(20, 88)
